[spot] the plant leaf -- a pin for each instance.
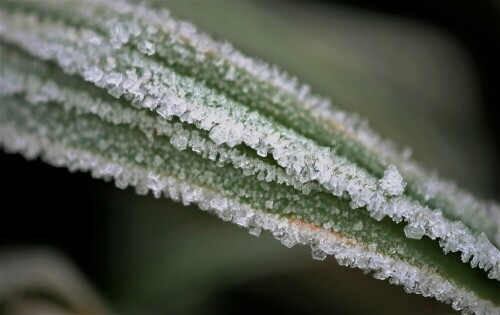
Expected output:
(130, 94)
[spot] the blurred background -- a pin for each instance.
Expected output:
(424, 74)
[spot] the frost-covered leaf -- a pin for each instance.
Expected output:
(132, 95)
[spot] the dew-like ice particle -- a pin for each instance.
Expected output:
(414, 231)
(146, 47)
(179, 141)
(392, 183)
(318, 254)
(358, 226)
(93, 74)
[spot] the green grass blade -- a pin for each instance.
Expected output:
(132, 95)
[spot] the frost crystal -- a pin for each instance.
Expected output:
(414, 231)
(318, 254)
(392, 183)
(93, 74)
(146, 47)
(269, 204)
(358, 226)
(179, 141)
(219, 134)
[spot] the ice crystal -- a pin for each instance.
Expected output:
(392, 183)
(146, 47)
(358, 226)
